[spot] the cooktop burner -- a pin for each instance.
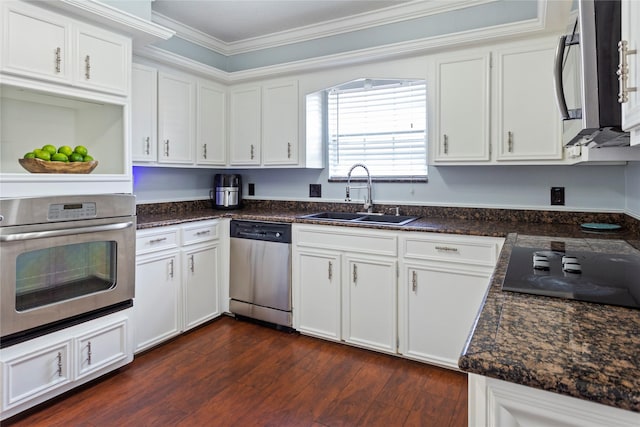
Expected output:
(585, 276)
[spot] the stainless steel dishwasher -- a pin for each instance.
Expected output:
(260, 271)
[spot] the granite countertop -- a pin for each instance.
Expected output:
(589, 351)
(585, 350)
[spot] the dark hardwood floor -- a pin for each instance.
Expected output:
(235, 373)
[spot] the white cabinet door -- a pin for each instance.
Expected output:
(280, 124)
(157, 301)
(176, 119)
(318, 287)
(370, 301)
(463, 108)
(527, 124)
(631, 34)
(144, 110)
(35, 373)
(201, 268)
(211, 132)
(101, 348)
(245, 126)
(440, 305)
(35, 43)
(103, 60)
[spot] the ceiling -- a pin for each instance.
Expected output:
(231, 21)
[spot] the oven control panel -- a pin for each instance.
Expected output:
(71, 211)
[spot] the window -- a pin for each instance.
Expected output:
(381, 123)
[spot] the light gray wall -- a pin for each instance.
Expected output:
(590, 188)
(140, 8)
(632, 194)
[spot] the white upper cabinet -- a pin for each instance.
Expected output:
(631, 34)
(144, 110)
(496, 106)
(35, 43)
(43, 45)
(245, 126)
(211, 124)
(103, 60)
(280, 124)
(527, 122)
(462, 93)
(176, 118)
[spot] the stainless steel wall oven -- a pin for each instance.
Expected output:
(65, 260)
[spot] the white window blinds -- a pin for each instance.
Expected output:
(382, 126)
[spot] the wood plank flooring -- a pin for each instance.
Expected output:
(236, 373)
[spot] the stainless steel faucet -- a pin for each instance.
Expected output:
(368, 201)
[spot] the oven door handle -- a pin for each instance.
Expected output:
(65, 232)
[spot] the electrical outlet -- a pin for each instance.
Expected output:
(252, 189)
(315, 190)
(557, 196)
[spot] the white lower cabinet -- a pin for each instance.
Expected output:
(345, 285)
(39, 369)
(346, 288)
(496, 403)
(443, 281)
(178, 280)
(318, 291)
(369, 295)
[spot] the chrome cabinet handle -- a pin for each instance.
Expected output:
(58, 59)
(87, 67)
(252, 154)
(288, 150)
(446, 144)
(623, 72)
(166, 148)
(330, 270)
(510, 142)
(89, 352)
(147, 146)
(355, 274)
(414, 281)
(59, 363)
(204, 151)
(171, 269)
(158, 240)
(201, 233)
(191, 263)
(446, 249)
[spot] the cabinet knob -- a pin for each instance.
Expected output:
(355, 274)
(330, 270)
(147, 146)
(166, 148)
(59, 363)
(510, 141)
(89, 352)
(446, 144)
(204, 151)
(288, 150)
(252, 152)
(414, 281)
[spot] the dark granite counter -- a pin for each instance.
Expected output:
(589, 351)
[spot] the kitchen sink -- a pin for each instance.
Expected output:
(361, 217)
(335, 216)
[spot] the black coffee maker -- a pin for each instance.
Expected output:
(227, 191)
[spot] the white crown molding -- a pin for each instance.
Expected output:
(180, 62)
(142, 31)
(411, 10)
(191, 34)
(377, 53)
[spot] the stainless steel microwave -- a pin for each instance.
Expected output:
(585, 76)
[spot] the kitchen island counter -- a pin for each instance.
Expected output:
(584, 350)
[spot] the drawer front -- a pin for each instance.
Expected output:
(101, 348)
(347, 239)
(156, 240)
(200, 232)
(476, 251)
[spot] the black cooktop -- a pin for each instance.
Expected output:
(579, 275)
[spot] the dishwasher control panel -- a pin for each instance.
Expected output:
(259, 230)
